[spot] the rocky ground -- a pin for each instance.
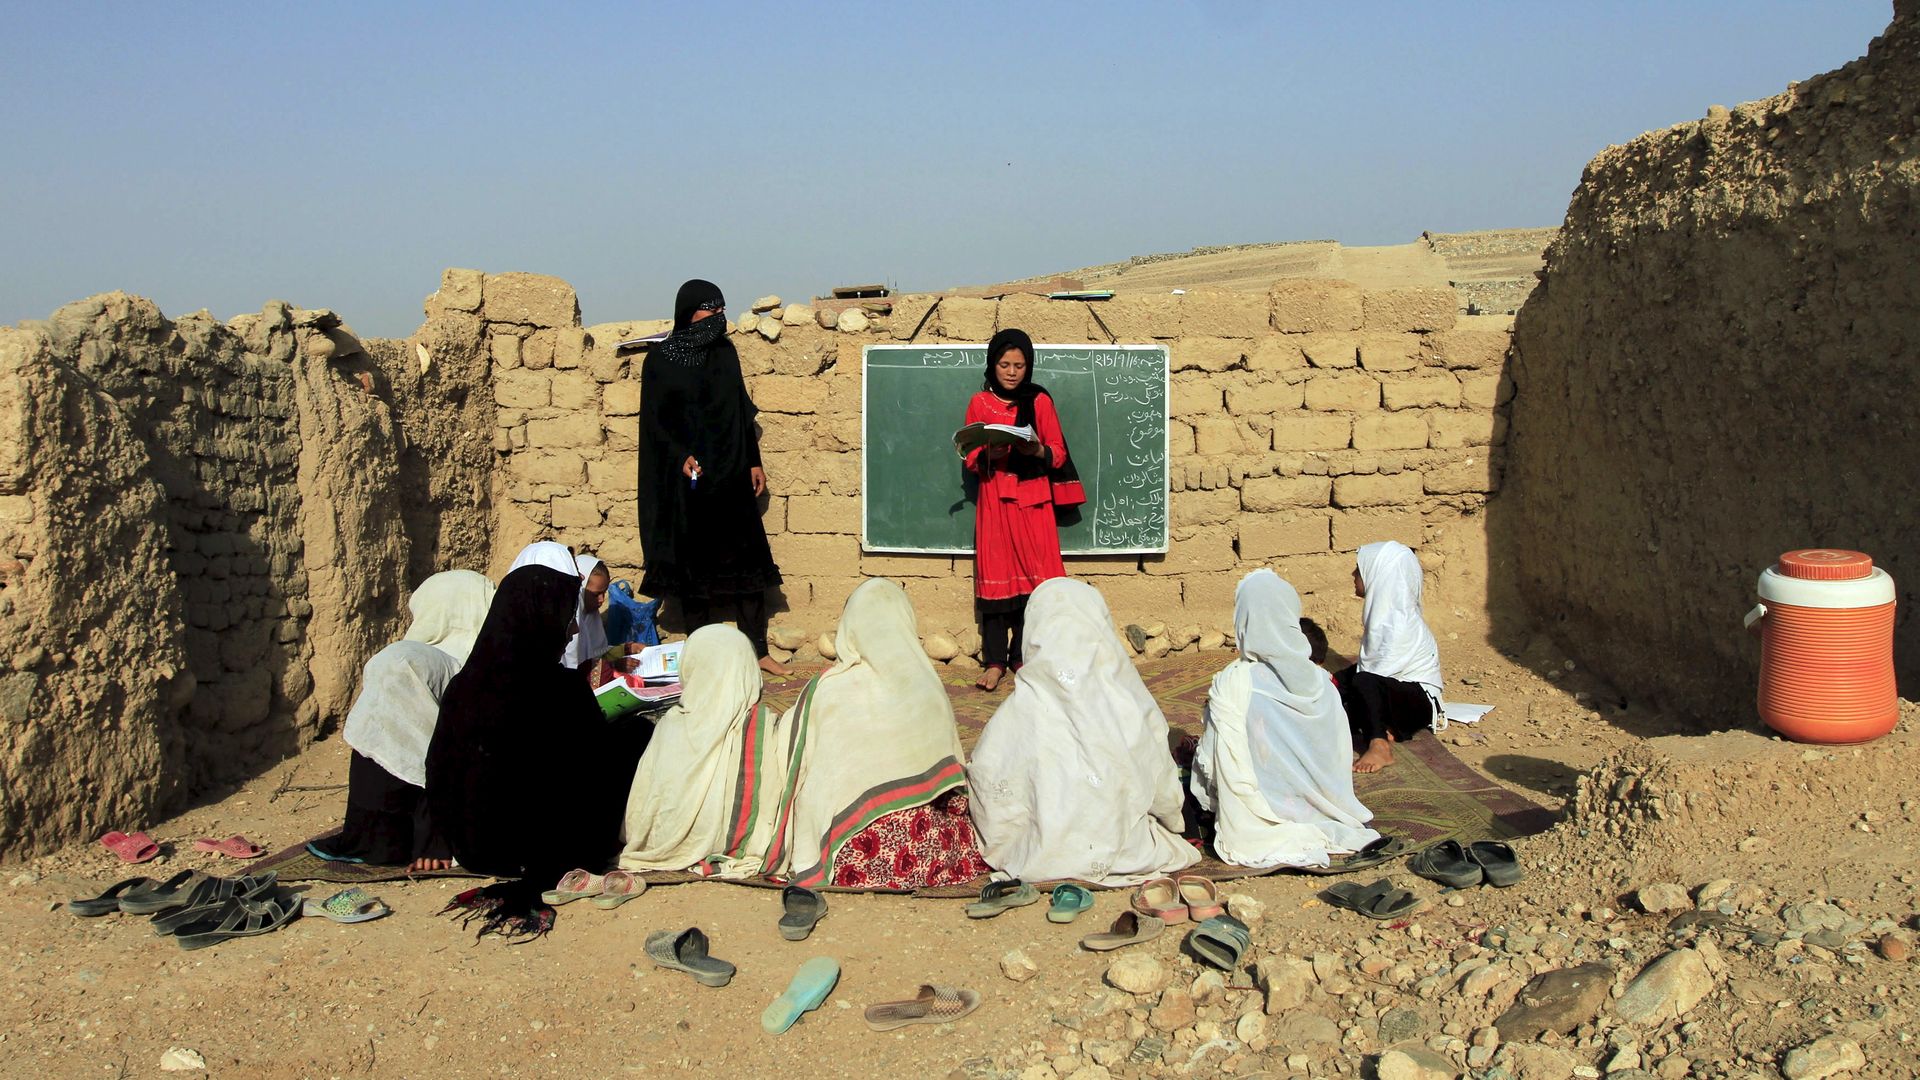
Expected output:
(1722, 905)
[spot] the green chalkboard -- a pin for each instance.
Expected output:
(1112, 401)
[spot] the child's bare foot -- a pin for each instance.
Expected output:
(990, 679)
(1379, 755)
(774, 667)
(419, 865)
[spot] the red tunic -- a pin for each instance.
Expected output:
(1016, 543)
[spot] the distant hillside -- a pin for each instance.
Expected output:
(1492, 271)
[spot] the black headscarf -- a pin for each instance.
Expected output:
(687, 345)
(510, 723)
(1022, 395)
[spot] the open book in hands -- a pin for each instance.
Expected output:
(973, 436)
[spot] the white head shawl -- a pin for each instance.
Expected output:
(548, 553)
(1276, 761)
(447, 611)
(699, 793)
(590, 635)
(392, 720)
(1072, 777)
(1396, 642)
(877, 730)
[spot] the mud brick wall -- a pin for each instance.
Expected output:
(1306, 421)
(201, 549)
(1718, 367)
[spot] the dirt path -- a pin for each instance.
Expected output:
(414, 995)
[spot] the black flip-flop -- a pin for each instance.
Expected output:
(107, 902)
(1381, 851)
(1497, 861)
(1379, 901)
(1446, 862)
(803, 908)
(162, 895)
(186, 905)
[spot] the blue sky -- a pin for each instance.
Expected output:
(340, 155)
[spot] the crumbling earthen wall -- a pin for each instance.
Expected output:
(1719, 366)
(203, 546)
(1306, 422)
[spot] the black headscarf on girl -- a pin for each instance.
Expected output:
(1022, 395)
(689, 341)
(510, 723)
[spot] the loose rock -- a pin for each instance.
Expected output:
(797, 315)
(1287, 982)
(769, 329)
(826, 647)
(1890, 947)
(852, 321)
(1246, 909)
(1401, 1024)
(1823, 1057)
(1018, 966)
(1557, 1001)
(787, 638)
(1666, 989)
(1531, 1061)
(1661, 897)
(182, 1059)
(765, 303)
(941, 647)
(1175, 1011)
(1413, 1063)
(1138, 974)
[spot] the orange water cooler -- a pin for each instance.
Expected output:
(1825, 620)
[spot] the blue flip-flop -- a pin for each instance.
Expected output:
(810, 986)
(315, 851)
(1068, 902)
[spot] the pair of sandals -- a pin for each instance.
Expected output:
(1179, 899)
(606, 892)
(198, 910)
(1458, 866)
(186, 889)
(1067, 903)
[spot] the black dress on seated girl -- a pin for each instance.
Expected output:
(525, 777)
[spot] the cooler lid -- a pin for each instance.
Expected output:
(1826, 564)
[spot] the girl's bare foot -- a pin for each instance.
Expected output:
(774, 667)
(1379, 755)
(990, 679)
(430, 864)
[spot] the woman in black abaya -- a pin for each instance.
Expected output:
(522, 772)
(700, 476)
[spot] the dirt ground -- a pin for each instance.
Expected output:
(415, 995)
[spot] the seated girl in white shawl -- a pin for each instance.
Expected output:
(1274, 764)
(1072, 777)
(589, 644)
(876, 794)
(1393, 693)
(392, 722)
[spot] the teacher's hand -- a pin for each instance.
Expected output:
(689, 467)
(1032, 449)
(759, 477)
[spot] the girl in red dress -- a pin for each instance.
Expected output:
(1016, 544)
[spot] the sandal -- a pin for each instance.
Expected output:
(346, 906)
(617, 888)
(1446, 862)
(1497, 861)
(161, 895)
(1221, 941)
(107, 902)
(1384, 850)
(573, 885)
(1160, 899)
(1068, 902)
(1201, 896)
(802, 910)
(239, 917)
(810, 986)
(1380, 901)
(172, 911)
(234, 847)
(686, 950)
(1131, 928)
(1001, 896)
(932, 1005)
(314, 850)
(134, 848)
